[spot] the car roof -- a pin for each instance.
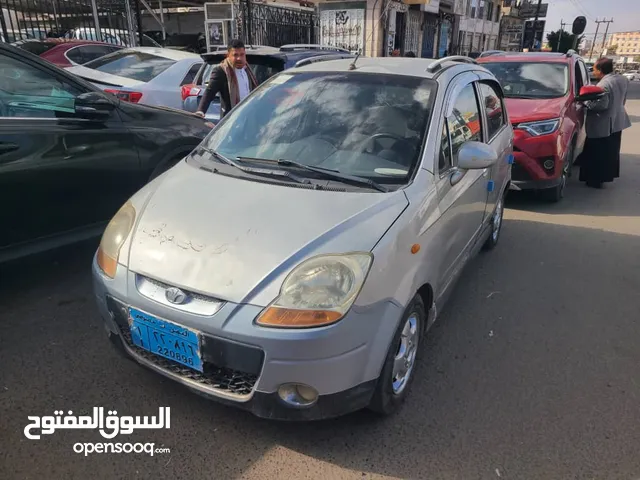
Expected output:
(169, 53)
(549, 57)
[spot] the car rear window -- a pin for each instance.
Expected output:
(35, 47)
(134, 65)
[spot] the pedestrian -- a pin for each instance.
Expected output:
(410, 55)
(606, 118)
(233, 79)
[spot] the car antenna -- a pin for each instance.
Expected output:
(352, 66)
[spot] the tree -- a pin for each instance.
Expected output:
(612, 50)
(567, 41)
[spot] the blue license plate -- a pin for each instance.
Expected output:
(166, 339)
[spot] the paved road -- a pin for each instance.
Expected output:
(531, 373)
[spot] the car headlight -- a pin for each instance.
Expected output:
(318, 292)
(540, 128)
(114, 237)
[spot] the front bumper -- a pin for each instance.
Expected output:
(245, 364)
(530, 154)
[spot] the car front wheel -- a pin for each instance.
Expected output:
(396, 377)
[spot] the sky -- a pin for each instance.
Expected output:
(625, 14)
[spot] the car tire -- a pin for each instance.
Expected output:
(496, 225)
(555, 194)
(398, 371)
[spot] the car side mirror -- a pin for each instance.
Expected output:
(476, 156)
(94, 106)
(589, 92)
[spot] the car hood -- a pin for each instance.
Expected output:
(236, 239)
(101, 79)
(531, 110)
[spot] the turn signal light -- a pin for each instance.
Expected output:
(190, 90)
(127, 96)
(288, 317)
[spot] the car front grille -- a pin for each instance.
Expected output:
(230, 369)
(219, 380)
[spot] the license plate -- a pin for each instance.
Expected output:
(166, 339)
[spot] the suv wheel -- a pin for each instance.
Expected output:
(396, 377)
(556, 193)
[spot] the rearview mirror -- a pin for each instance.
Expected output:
(590, 92)
(476, 156)
(93, 106)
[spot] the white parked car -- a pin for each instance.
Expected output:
(152, 76)
(110, 35)
(632, 75)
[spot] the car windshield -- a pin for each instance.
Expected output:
(135, 65)
(531, 80)
(359, 124)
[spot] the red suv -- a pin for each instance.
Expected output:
(540, 91)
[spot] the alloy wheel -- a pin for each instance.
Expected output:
(405, 357)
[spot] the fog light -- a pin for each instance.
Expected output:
(549, 164)
(297, 394)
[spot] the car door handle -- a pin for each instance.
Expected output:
(6, 147)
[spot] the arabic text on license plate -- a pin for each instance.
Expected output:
(165, 339)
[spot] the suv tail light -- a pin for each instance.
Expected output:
(190, 90)
(133, 97)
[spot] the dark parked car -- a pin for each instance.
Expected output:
(264, 61)
(70, 155)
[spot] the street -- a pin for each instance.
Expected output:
(531, 372)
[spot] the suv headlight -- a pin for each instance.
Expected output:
(318, 292)
(114, 237)
(544, 127)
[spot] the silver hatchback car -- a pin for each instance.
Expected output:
(292, 263)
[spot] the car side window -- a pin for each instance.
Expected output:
(494, 109)
(444, 160)
(464, 124)
(585, 75)
(76, 55)
(30, 92)
(579, 78)
(191, 74)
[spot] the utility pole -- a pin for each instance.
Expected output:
(604, 40)
(562, 24)
(595, 38)
(535, 25)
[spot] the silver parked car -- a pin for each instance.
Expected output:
(292, 263)
(151, 76)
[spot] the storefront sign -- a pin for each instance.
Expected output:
(343, 29)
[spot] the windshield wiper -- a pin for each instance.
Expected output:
(326, 172)
(258, 171)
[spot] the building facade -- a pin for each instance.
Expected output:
(627, 43)
(479, 26)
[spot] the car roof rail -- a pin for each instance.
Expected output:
(321, 58)
(438, 64)
(310, 46)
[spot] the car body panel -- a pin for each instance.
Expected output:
(206, 258)
(81, 170)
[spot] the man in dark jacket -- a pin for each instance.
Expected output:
(233, 79)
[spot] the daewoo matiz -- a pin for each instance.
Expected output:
(291, 264)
